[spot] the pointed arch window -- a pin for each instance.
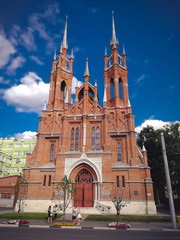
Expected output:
(52, 153)
(77, 139)
(97, 139)
(63, 91)
(72, 139)
(120, 88)
(112, 88)
(118, 151)
(93, 138)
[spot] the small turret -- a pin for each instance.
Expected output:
(54, 55)
(105, 52)
(44, 107)
(86, 73)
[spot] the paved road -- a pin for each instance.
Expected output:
(68, 234)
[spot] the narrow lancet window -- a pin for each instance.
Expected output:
(77, 139)
(97, 139)
(52, 153)
(93, 138)
(118, 151)
(72, 139)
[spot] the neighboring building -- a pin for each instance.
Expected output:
(9, 189)
(18, 150)
(94, 146)
(5, 164)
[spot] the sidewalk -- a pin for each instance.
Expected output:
(101, 225)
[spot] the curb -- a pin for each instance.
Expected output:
(84, 228)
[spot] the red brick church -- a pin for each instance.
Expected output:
(92, 145)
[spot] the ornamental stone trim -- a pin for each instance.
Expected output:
(94, 162)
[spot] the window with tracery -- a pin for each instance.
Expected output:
(97, 139)
(52, 153)
(72, 140)
(118, 151)
(93, 138)
(77, 139)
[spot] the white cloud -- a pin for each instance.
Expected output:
(27, 39)
(141, 78)
(15, 63)
(14, 34)
(156, 124)
(27, 135)
(6, 50)
(37, 60)
(74, 82)
(36, 24)
(29, 95)
(3, 81)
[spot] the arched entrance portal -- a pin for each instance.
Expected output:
(84, 186)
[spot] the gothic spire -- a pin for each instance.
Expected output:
(129, 104)
(105, 97)
(54, 55)
(105, 53)
(143, 149)
(95, 83)
(124, 50)
(65, 45)
(44, 107)
(61, 48)
(72, 56)
(113, 29)
(87, 69)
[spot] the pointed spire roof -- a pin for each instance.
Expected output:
(129, 104)
(54, 55)
(65, 45)
(124, 50)
(61, 48)
(86, 73)
(67, 97)
(105, 53)
(143, 149)
(113, 29)
(44, 107)
(72, 56)
(105, 97)
(95, 83)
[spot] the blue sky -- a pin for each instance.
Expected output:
(31, 30)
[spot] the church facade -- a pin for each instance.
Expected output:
(94, 146)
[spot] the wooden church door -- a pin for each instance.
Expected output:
(84, 186)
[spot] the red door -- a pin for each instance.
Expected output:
(84, 187)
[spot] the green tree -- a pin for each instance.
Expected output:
(151, 139)
(66, 189)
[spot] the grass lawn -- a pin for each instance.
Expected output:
(129, 218)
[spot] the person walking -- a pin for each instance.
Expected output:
(55, 212)
(79, 217)
(73, 215)
(49, 215)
